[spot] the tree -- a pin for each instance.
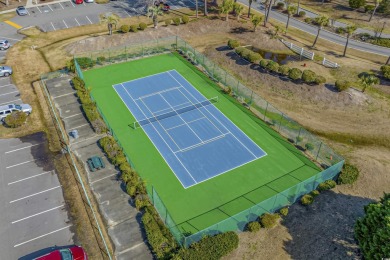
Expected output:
(349, 30)
(153, 12)
(226, 8)
(250, 4)
(205, 8)
(299, 4)
(110, 19)
(368, 80)
(196, 8)
(238, 10)
(321, 21)
(373, 230)
(256, 20)
(377, 3)
(267, 5)
(355, 4)
(291, 9)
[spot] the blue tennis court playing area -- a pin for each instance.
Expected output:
(195, 139)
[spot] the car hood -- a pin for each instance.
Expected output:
(78, 253)
(26, 107)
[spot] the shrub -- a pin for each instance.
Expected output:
(253, 226)
(125, 28)
(264, 63)
(307, 199)
(245, 53)
(15, 119)
(302, 14)
(320, 80)
(142, 26)
(280, 5)
(314, 193)
(385, 42)
(309, 146)
(168, 22)
(326, 185)
(369, 8)
(273, 66)
(240, 50)
(340, 30)
(348, 175)
(283, 211)
(254, 57)
(185, 19)
(295, 74)
(133, 28)
(269, 220)
(385, 69)
(176, 21)
(78, 83)
(233, 43)
(101, 59)
(284, 70)
(356, 3)
(85, 62)
(342, 85)
(210, 247)
(309, 76)
(308, 20)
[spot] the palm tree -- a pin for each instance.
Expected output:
(256, 20)
(377, 3)
(196, 7)
(205, 8)
(226, 8)
(321, 21)
(267, 5)
(349, 30)
(238, 10)
(110, 19)
(368, 80)
(291, 9)
(299, 3)
(250, 4)
(153, 12)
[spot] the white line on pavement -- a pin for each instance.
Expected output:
(16, 221)
(50, 8)
(28, 12)
(127, 13)
(71, 116)
(22, 148)
(61, 6)
(10, 102)
(53, 26)
(88, 19)
(103, 178)
(35, 194)
(64, 95)
(65, 24)
(19, 164)
(42, 236)
(28, 178)
(9, 39)
(72, 3)
(77, 21)
(79, 126)
(5, 85)
(9, 93)
(39, 9)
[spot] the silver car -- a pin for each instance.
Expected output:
(5, 71)
(4, 44)
(21, 10)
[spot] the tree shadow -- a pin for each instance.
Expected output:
(325, 229)
(331, 88)
(223, 48)
(239, 30)
(239, 61)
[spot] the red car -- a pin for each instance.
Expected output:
(71, 253)
(78, 2)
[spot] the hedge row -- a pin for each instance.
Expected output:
(308, 199)
(177, 20)
(89, 107)
(249, 55)
(133, 28)
(385, 69)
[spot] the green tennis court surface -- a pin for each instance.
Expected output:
(195, 208)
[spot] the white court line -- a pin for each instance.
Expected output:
(39, 9)
(189, 122)
(157, 93)
(19, 164)
(50, 8)
(140, 78)
(29, 177)
(35, 194)
(158, 134)
(65, 24)
(9, 93)
(10, 102)
(72, 115)
(79, 126)
(23, 148)
(6, 85)
(16, 221)
(103, 178)
(61, 6)
(42, 236)
(77, 21)
(64, 95)
(88, 19)
(53, 26)
(202, 143)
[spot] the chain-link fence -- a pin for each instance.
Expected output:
(266, 115)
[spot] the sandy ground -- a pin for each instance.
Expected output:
(323, 230)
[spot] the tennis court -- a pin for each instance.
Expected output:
(195, 139)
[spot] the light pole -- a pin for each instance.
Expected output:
(383, 27)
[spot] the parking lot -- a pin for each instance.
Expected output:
(34, 212)
(63, 15)
(8, 92)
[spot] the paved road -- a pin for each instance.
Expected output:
(324, 34)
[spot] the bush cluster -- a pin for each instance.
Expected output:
(134, 28)
(272, 66)
(280, 5)
(385, 42)
(249, 55)
(176, 21)
(269, 220)
(355, 4)
(143, 26)
(369, 8)
(253, 226)
(15, 119)
(348, 175)
(302, 14)
(385, 69)
(185, 19)
(283, 211)
(295, 74)
(314, 193)
(309, 76)
(89, 107)
(210, 247)
(125, 28)
(168, 22)
(326, 185)
(233, 43)
(284, 70)
(85, 62)
(342, 85)
(307, 199)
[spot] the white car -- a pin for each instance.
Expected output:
(8, 109)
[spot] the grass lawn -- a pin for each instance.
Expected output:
(195, 208)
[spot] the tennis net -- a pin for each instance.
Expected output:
(182, 110)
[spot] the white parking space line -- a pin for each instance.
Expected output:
(72, 3)
(65, 24)
(41, 236)
(88, 19)
(16, 221)
(27, 12)
(22, 148)
(127, 13)
(6, 85)
(50, 8)
(9, 39)
(84, 3)
(10, 102)
(39, 9)
(32, 195)
(103, 178)
(64, 95)
(19, 164)
(72, 116)
(9, 93)
(53, 26)
(77, 21)
(36, 175)
(61, 6)
(80, 126)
